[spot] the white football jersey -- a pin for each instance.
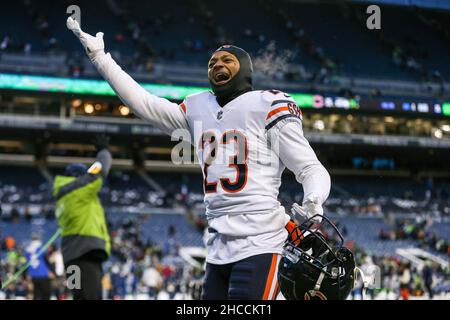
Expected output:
(241, 171)
(243, 149)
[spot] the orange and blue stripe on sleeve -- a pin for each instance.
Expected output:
(282, 109)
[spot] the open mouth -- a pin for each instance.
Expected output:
(221, 78)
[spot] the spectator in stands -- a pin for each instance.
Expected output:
(390, 277)
(417, 283)
(10, 243)
(427, 274)
(106, 286)
(117, 283)
(55, 259)
(153, 280)
(40, 270)
(369, 269)
(85, 238)
(27, 215)
(9, 266)
(13, 255)
(14, 215)
(405, 280)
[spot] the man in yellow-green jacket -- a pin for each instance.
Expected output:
(85, 238)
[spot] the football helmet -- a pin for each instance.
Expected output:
(316, 267)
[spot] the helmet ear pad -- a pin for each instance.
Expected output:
(346, 256)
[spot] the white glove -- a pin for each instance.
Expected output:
(310, 208)
(92, 45)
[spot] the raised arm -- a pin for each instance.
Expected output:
(103, 163)
(160, 112)
(98, 170)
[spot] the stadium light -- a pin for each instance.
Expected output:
(437, 133)
(76, 103)
(88, 108)
(445, 128)
(124, 110)
(319, 125)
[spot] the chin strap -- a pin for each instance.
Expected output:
(319, 281)
(316, 290)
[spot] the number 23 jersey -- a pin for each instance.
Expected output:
(241, 169)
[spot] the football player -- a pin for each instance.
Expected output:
(246, 139)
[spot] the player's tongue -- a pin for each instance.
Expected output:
(226, 91)
(221, 77)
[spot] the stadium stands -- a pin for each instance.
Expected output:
(369, 195)
(135, 30)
